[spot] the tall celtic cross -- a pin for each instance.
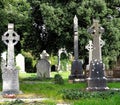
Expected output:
(10, 38)
(96, 30)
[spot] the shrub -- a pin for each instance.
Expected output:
(58, 79)
(75, 94)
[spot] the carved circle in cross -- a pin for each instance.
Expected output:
(10, 37)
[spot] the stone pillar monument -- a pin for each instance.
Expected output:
(76, 69)
(9, 73)
(96, 78)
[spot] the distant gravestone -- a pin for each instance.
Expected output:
(20, 62)
(60, 51)
(76, 68)
(9, 73)
(43, 66)
(89, 47)
(96, 79)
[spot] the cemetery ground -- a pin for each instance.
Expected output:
(58, 92)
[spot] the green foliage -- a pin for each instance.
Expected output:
(58, 17)
(76, 94)
(0, 75)
(58, 79)
(29, 62)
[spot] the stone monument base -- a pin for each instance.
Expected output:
(10, 79)
(96, 84)
(76, 70)
(97, 80)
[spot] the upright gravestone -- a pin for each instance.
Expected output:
(9, 73)
(96, 79)
(20, 62)
(76, 69)
(89, 47)
(43, 66)
(60, 51)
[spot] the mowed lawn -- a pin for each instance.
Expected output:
(32, 87)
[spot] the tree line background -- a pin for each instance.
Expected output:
(48, 25)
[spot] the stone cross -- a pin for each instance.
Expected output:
(96, 30)
(75, 37)
(9, 72)
(44, 55)
(89, 47)
(96, 79)
(10, 38)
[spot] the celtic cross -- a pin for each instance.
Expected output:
(10, 38)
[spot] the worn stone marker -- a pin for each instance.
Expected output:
(60, 51)
(43, 66)
(89, 47)
(96, 79)
(20, 62)
(76, 68)
(9, 73)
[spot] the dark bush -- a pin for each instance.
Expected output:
(58, 79)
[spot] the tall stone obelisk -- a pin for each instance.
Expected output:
(76, 68)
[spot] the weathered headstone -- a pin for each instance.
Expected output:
(43, 66)
(9, 73)
(96, 79)
(20, 62)
(60, 51)
(76, 69)
(89, 47)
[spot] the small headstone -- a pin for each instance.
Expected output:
(43, 66)
(20, 62)
(96, 79)
(9, 73)
(76, 68)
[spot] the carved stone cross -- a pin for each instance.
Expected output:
(96, 30)
(10, 38)
(89, 47)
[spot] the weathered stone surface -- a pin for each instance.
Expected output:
(9, 72)
(43, 69)
(20, 62)
(96, 80)
(76, 68)
(10, 81)
(60, 51)
(89, 47)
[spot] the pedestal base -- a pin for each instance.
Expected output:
(96, 84)
(76, 70)
(10, 81)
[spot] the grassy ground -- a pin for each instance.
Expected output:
(33, 87)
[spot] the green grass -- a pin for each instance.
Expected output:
(31, 86)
